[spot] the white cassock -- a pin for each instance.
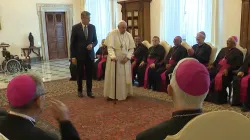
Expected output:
(119, 46)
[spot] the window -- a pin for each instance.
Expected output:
(101, 17)
(186, 18)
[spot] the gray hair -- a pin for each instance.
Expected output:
(85, 13)
(122, 22)
(39, 92)
(183, 99)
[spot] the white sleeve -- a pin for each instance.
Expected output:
(109, 42)
(131, 47)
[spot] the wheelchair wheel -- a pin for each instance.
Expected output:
(13, 66)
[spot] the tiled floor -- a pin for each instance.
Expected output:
(52, 70)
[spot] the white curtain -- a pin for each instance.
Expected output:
(186, 18)
(101, 16)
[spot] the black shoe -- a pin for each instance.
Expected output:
(109, 99)
(80, 95)
(245, 107)
(90, 95)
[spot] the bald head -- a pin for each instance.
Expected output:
(177, 41)
(122, 26)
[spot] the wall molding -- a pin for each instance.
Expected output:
(41, 10)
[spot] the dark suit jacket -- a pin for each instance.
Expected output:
(202, 53)
(78, 42)
(17, 128)
(169, 127)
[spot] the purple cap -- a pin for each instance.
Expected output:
(21, 90)
(192, 77)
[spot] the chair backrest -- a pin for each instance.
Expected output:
(185, 45)
(2, 137)
(217, 125)
(146, 43)
(213, 52)
(166, 46)
(243, 50)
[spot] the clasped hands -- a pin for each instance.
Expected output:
(123, 61)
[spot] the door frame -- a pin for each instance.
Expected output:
(41, 10)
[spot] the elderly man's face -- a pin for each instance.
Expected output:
(122, 28)
(230, 43)
(200, 39)
(137, 40)
(103, 41)
(155, 41)
(85, 19)
(177, 41)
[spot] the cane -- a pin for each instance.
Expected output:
(115, 82)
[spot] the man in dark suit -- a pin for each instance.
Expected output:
(82, 43)
(187, 98)
(26, 99)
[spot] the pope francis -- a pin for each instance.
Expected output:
(121, 46)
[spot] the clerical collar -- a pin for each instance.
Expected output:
(201, 44)
(186, 113)
(32, 120)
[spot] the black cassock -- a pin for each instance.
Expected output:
(241, 85)
(174, 56)
(157, 54)
(230, 59)
(101, 52)
(170, 127)
(202, 53)
(140, 54)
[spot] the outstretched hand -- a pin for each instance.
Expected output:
(60, 110)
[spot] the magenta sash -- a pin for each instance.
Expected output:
(133, 66)
(149, 61)
(218, 77)
(99, 67)
(163, 77)
(244, 86)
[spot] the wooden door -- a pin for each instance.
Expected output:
(56, 35)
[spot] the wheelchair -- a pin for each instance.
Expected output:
(12, 64)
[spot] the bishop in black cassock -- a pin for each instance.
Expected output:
(187, 99)
(140, 54)
(156, 55)
(228, 60)
(201, 51)
(244, 85)
(161, 75)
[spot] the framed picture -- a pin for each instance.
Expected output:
(129, 14)
(135, 22)
(129, 22)
(136, 32)
(135, 13)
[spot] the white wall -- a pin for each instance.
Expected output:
(19, 17)
(155, 12)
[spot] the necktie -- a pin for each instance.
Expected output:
(85, 32)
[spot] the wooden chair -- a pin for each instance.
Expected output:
(217, 125)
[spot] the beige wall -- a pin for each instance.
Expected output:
(155, 11)
(21, 18)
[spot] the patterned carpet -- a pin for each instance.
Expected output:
(97, 119)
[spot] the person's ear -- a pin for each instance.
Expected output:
(40, 102)
(170, 90)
